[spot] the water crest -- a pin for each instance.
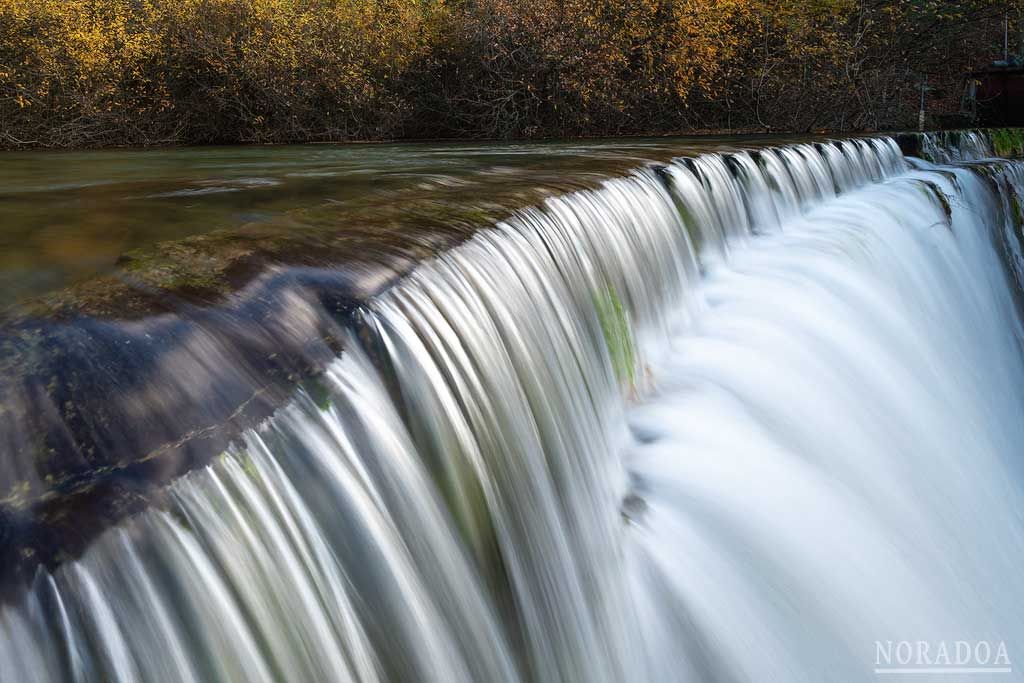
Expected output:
(737, 417)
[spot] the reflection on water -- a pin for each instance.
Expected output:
(65, 217)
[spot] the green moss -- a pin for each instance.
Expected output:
(618, 334)
(1018, 212)
(1007, 142)
(249, 467)
(318, 392)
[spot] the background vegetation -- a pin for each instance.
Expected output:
(96, 72)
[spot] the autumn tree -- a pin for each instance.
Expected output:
(95, 72)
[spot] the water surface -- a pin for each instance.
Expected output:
(735, 419)
(68, 216)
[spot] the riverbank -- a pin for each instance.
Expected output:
(751, 132)
(96, 73)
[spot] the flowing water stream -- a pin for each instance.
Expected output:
(734, 418)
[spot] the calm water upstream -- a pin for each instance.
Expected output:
(65, 217)
(482, 414)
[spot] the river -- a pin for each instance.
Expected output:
(677, 414)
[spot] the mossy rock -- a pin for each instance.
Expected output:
(1007, 142)
(1017, 213)
(618, 334)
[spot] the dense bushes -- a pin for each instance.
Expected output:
(101, 71)
(91, 72)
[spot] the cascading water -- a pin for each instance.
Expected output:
(952, 146)
(735, 418)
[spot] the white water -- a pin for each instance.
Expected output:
(800, 436)
(949, 147)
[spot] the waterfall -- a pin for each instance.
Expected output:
(951, 146)
(735, 418)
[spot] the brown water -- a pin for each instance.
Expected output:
(66, 217)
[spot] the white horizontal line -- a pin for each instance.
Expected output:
(947, 670)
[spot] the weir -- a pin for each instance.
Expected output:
(732, 417)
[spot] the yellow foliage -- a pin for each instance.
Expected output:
(102, 71)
